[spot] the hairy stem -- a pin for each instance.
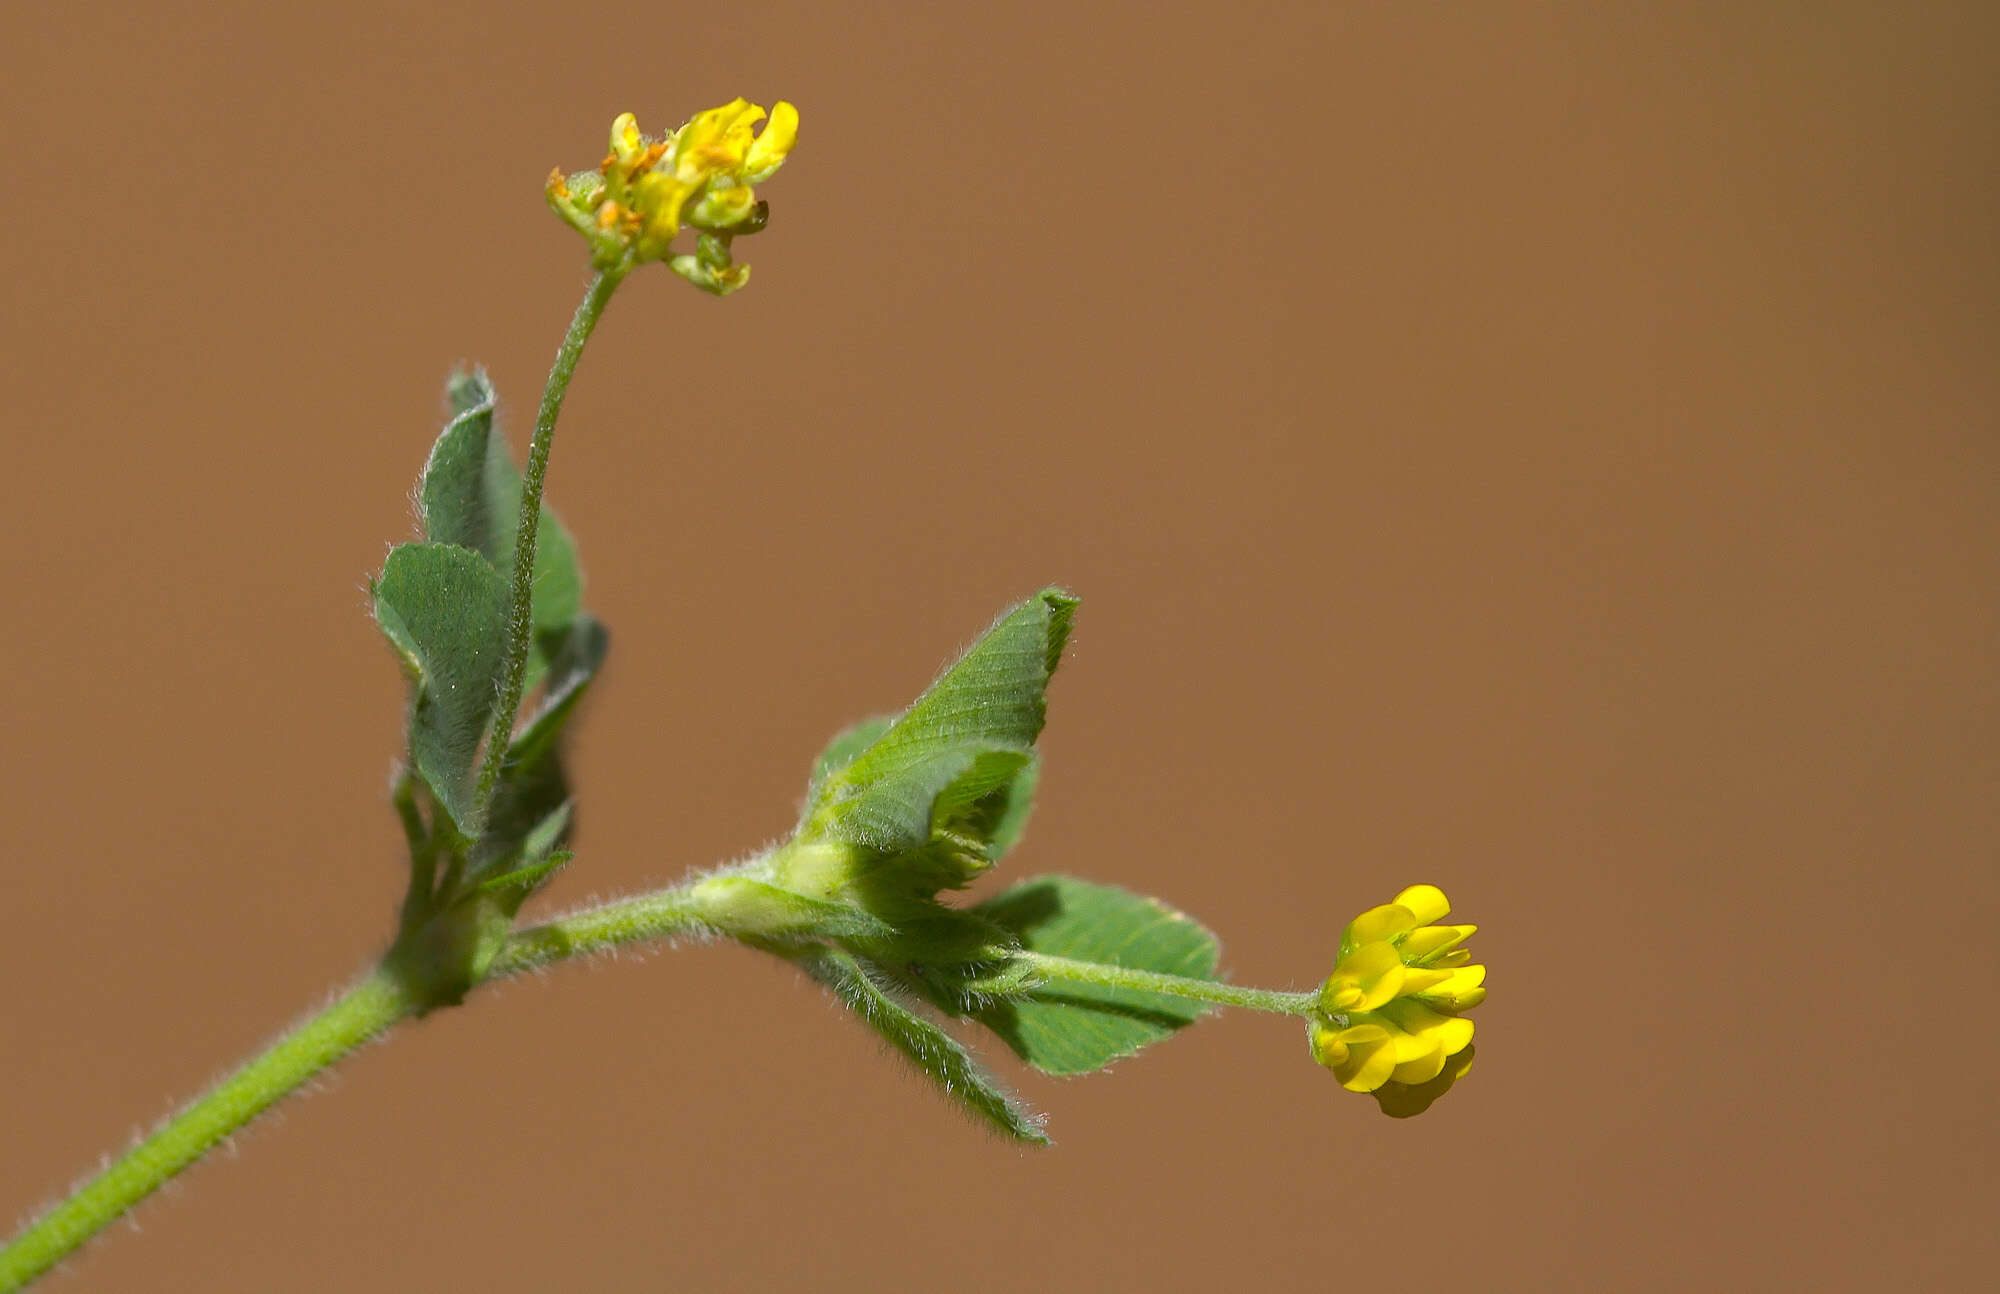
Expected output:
(372, 1006)
(521, 594)
(1202, 990)
(362, 1012)
(660, 914)
(381, 1000)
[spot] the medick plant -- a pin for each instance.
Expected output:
(485, 615)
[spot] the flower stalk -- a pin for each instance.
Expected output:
(1048, 968)
(521, 590)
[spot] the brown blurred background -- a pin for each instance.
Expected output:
(1548, 452)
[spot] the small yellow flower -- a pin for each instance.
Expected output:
(632, 207)
(1388, 1019)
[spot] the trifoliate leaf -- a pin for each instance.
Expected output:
(1070, 1028)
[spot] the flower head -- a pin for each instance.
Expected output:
(1388, 1020)
(634, 204)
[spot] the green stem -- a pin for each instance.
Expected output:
(661, 914)
(370, 1007)
(1202, 990)
(381, 1000)
(521, 595)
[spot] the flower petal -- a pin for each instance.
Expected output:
(1421, 1069)
(1457, 990)
(1327, 1047)
(1376, 924)
(1418, 982)
(1426, 902)
(1416, 1049)
(626, 143)
(1369, 1062)
(1452, 1032)
(715, 140)
(1426, 947)
(773, 145)
(1364, 979)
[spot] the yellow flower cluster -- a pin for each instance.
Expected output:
(1388, 1020)
(633, 205)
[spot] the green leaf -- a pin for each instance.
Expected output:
(1073, 1028)
(954, 760)
(534, 783)
(523, 881)
(999, 817)
(458, 502)
(928, 936)
(548, 833)
(471, 496)
(901, 810)
(992, 695)
(443, 608)
(525, 799)
(468, 388)
(933, 1051)
(957, 961)
(846, 745)
(572, 667)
